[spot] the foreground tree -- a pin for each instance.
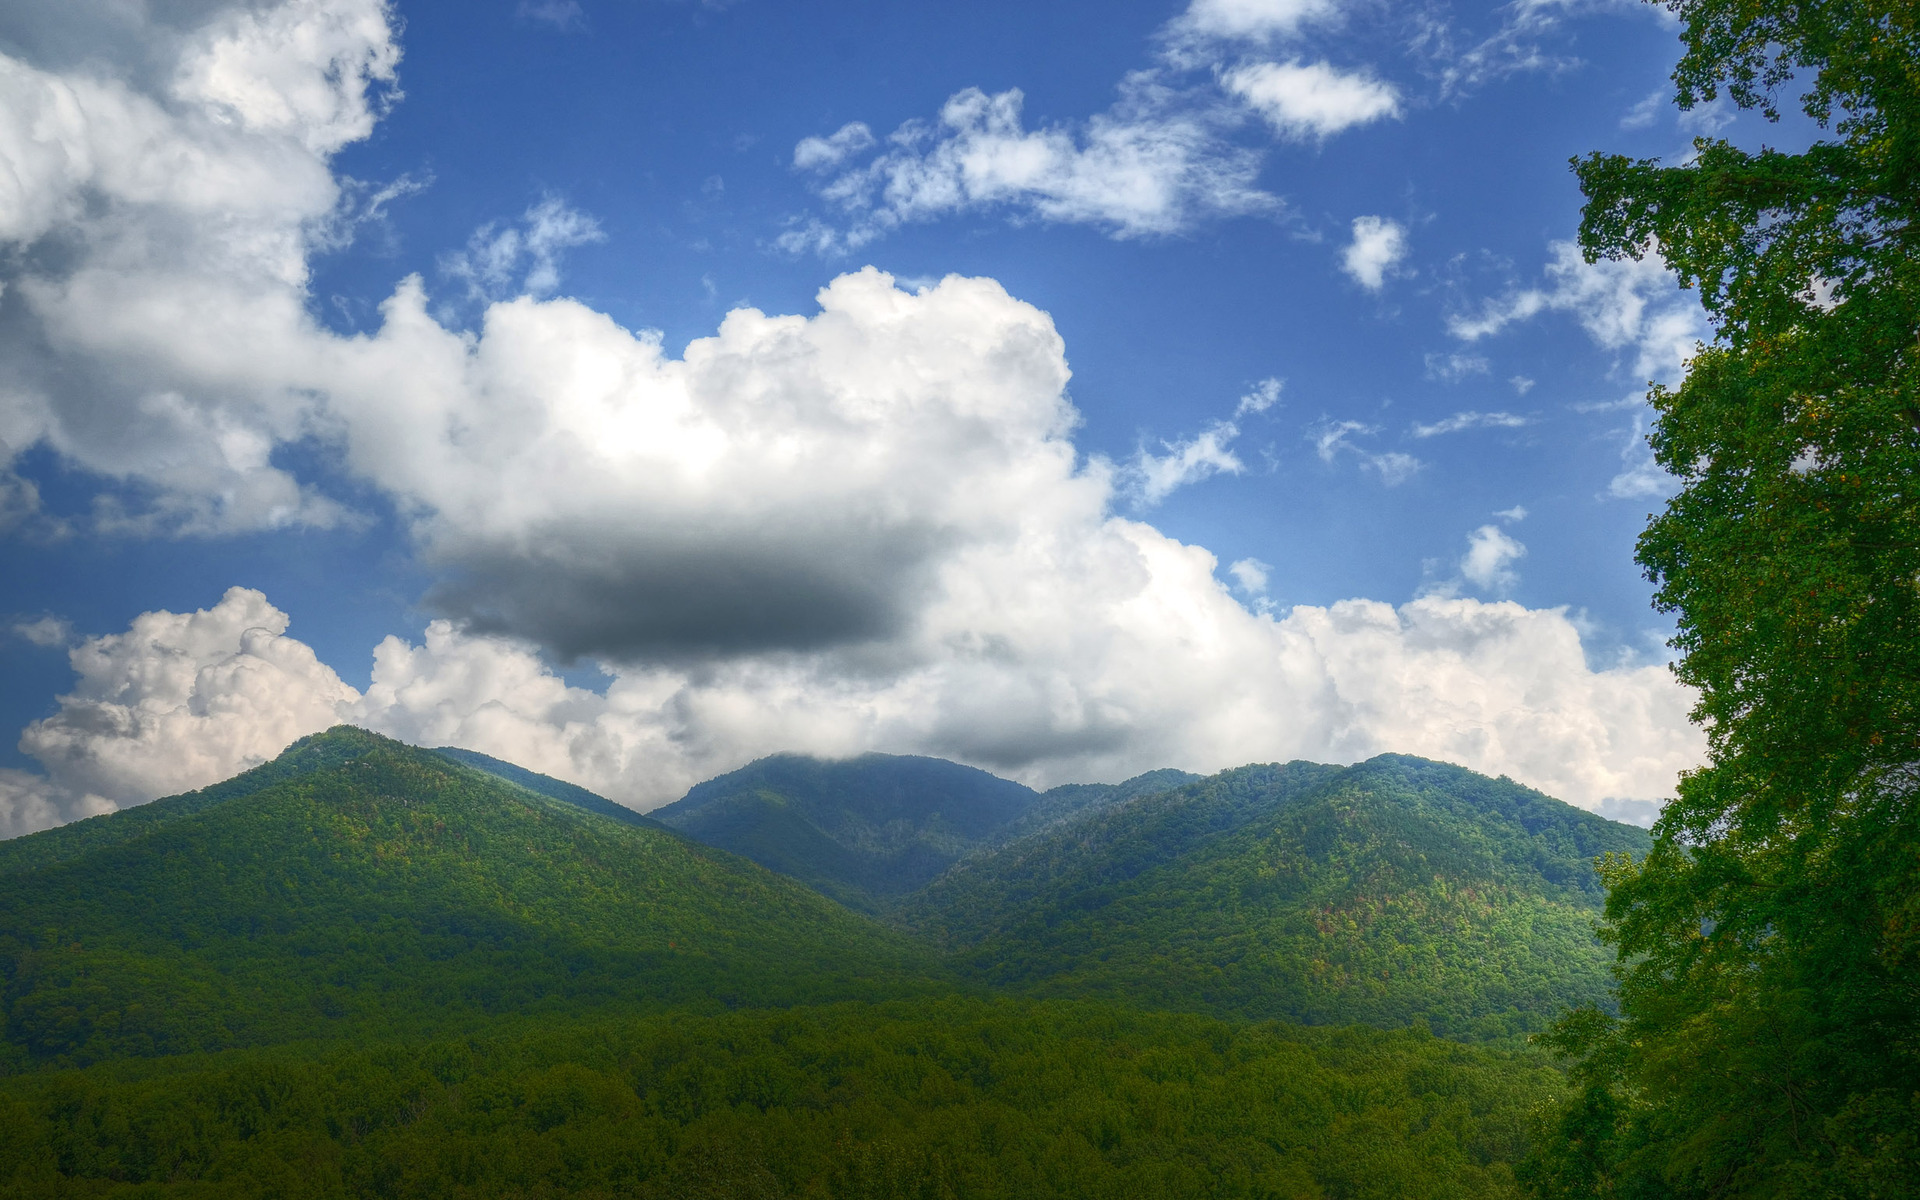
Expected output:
(1768, 1042)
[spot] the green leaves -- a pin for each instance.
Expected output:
(1768, 981)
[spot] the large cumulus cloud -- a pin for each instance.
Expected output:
(165, 178)
(862, 528)
(787, 484)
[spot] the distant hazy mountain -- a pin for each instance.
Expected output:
(359, 882)
(868, 829)
(1392, 892)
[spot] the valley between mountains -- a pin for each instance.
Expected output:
(371, 969)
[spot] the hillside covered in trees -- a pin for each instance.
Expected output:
(370, 969)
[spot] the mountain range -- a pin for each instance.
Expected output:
(870, 829)
(358, 891)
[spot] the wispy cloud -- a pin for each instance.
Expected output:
(45, 631)
(1154, 164)
(1331, 439)
(1172, 151)
(1261, 397)
(1625, 305)
(1452, 368)
(523, 258)
(564, 15)
(1523, 42)
(1470, 420)
(1156, 476)
(1248, 20)
(822, 153)
(1641, 475)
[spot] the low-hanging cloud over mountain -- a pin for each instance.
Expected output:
(863, 528)
(1129, 655)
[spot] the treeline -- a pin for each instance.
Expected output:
(949, 1098)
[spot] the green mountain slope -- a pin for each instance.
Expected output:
(547, 785)
(1392, 892)
(1071, 800)
(370, 884)
(51, 846)
(859, 829)
(867, 830)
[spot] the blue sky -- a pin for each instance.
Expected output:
(1305, 261)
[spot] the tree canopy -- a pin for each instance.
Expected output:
(1769, 1037)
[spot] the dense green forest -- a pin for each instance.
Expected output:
(371, 969)
(371, 886)
(1399, 891)
(940, 1098)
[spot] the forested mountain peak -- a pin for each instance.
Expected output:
(315, 752)
(1394, 891)
(856, 829)
(359, 882)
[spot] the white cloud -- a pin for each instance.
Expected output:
(1263, 396)
(1519, 45)
(184, 171)
(1706, 120)
(1160, 161)
(523, 259)
(1641, 475)
(867, 527)
(1630, 304)
(1521, 384)
(1452, 368)
(1153, 477)
(1516, 513)
(1489, 560)
(1378, 246)
(44, 631)
(182, 699)
(1251, 576)
(1312, 101)
(1137, 658)
(1331, 438)
(1152, 165)
(30, 803)
(1255, 20)
(564, 15)
(1647, 111)
(1186, 462)
(820, 153)
(1393, 467)
(1470, 420)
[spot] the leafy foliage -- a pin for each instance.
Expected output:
(1769, 1040)
(949, 1098)
(1395, 892)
